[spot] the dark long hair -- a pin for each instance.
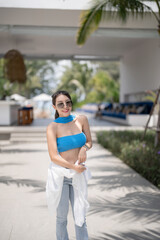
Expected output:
(55, 95)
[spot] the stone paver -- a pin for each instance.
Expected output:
(124, 205)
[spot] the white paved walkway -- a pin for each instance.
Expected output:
(124, 206)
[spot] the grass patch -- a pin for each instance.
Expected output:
(140, 155)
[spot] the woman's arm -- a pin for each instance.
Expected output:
(53, 152)
(88, 144)
(86, 130)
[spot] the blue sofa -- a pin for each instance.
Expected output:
(108, 108)
(145, 106)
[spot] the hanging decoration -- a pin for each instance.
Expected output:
(14, 67)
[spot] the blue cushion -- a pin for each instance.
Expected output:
(113, 114)
(25, 108)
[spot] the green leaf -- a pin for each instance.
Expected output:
(101, 10)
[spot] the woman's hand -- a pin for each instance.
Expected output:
(79, 168)
(82, 155)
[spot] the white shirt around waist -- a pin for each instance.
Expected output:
(54, 186)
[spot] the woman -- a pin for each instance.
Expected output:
(68, 138)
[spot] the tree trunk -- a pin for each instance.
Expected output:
(157, 136)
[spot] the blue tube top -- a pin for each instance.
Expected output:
(70, 142)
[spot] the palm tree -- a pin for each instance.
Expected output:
(90, 19)
(110, 9)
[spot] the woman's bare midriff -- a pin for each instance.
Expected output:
(71, 128)
(70, 155)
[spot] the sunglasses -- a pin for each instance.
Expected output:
(68, 104)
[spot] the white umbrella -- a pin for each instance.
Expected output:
(17, 97)
(42, 97)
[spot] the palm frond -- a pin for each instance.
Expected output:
(89, 21)
(158, 5)
(108, 9)
(78, 85)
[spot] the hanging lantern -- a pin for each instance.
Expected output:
(14, 67)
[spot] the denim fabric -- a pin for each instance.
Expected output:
(62, 212)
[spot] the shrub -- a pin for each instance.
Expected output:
(140, 155)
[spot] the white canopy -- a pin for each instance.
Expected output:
(42, 97)
(17, 97)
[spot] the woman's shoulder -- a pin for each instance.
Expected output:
(81, 117)
(52, 126)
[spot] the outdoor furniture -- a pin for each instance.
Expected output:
(128, 113)
(25, 115)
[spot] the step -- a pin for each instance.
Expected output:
(22, 134)
(28, 137)
(28, 140)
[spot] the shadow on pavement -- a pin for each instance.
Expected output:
(11, 164)
(137, 235)
(21, 150)
(132, 207)
(38, 185)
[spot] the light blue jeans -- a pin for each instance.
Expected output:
(62, 212)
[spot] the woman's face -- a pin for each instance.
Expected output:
(63, 105)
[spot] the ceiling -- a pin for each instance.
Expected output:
(51, 34)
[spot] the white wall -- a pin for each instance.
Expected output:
(140, 69)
